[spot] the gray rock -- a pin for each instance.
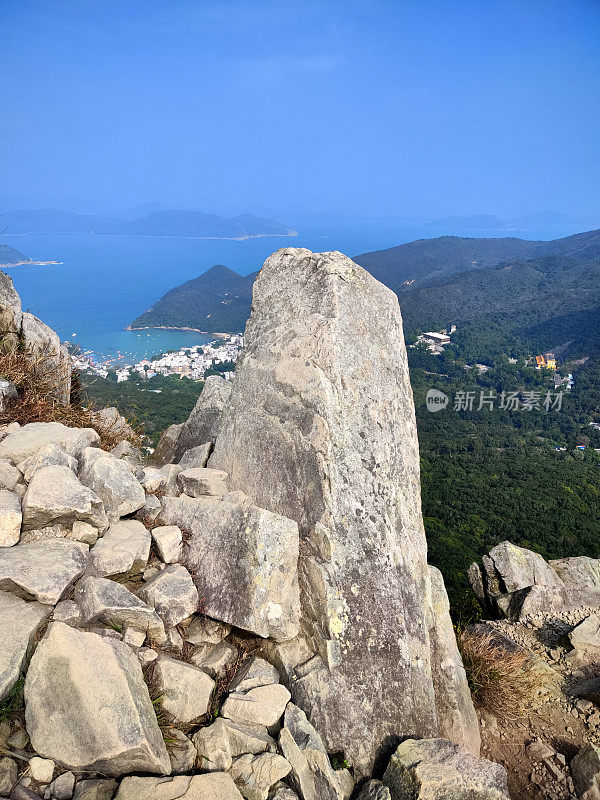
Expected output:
(199, 482)
(263, 705)
(585, 771)
(172, 593)
(212, 745)
(221, 657)
(42, 341)
(11, 315)
(83, 532)
(374, 790)
(111, 479)
(152, 479)
(454, 706)
(114, 423)
(203, 630)
(164, 452)
(9, 775)
(67, 611)
(8, 393)
(98, 789)
(320, 427)
(9, 475)
(110, 603)
(21, 792)
(519, 568)
(196, 456)
(283, 792)
(585, 637)
(303, 748)
(149, 512)
(88, 708)
(62, 787)
(204, 422)
(254, 672)
(580, 571)
(185, 690)
(244, 560)
(30, 438)
(19, 623)
(437, 769)
(255, 775)
(248, 739)
(213, 786)
(171, 473)
(182, 753)
(42, 570)
(50, 455)
(123, 550)
(11, 518)
(128, 453)
(55, 496)
(168, 542)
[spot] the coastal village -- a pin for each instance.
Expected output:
(189, 362)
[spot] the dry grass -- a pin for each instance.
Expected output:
(37, 378)
(501, 679)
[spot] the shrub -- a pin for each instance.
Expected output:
(500, 678)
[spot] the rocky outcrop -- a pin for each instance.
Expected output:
(436, 769)
(320, 428)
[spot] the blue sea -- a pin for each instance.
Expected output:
(104, 282)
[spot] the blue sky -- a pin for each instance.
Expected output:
(409, 109)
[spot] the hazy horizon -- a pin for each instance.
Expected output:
(396, 110)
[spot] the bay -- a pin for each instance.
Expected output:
(104, 282)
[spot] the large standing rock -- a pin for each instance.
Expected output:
(320, 428)
(456, 714)
(19, 623)
(55, 496)
(42, 570)
(53, 358)
(245, 562)
(112, 480)
(436, 769)
(88, 708)
(30, 438)
(11, 315)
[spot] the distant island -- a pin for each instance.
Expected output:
(164, 223)
(14, 258)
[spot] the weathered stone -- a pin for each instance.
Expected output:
(437, 769)
(83, 532)
(519, 568)
(172, 593)
(374, 790)
(11, 518)
(124, 549)
(110, 603)
(53, 358)
(171, 473)
(199, 482)
(21, 792)
(283, 792)
(152, 479)
(454, 706)
(585, 637)
(8, 393)
(41, 769)
(320, 427)
(168, 542)
(578, 571)
(182, 753)
(196, 456)
(204, 422)
(149, 512)
(263, 705)
(112, 480)
(42, 570)
(585, 771)
(212, 744)
(30, 438)
(164, 452)
(213, 786)
(110, 421)
(244, 560)
(99, 789)
(11, 315)
(248, 739)
(254, 672)
(50, 455)
(88, 708)
(185, 690)
(67, 611)
(203, 630)
(62, 787)
(220, 658)
(9, 775)
(303, 748)
(55, 496)
(254, 775)
(128, 453)
(20, 621)
(9, 475)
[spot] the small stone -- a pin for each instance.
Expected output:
(62, 787)
(9, 475)
(123, 550)
(185, 690)
(203, 630)
(254, 672)
(149, 512)
(182, 753)
(11, 518)
(152, 479)
(100, 789)
(263, 705)
(172, 593)
(212, 745)
(221, 657)
(83, 532)
(168, 542)
(9, 775)
(67, 611)
(196, 456)
(202, 482)
(254, 775)
(41, 769)
(133, 637)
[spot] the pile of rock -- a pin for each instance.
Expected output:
(252, 615)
